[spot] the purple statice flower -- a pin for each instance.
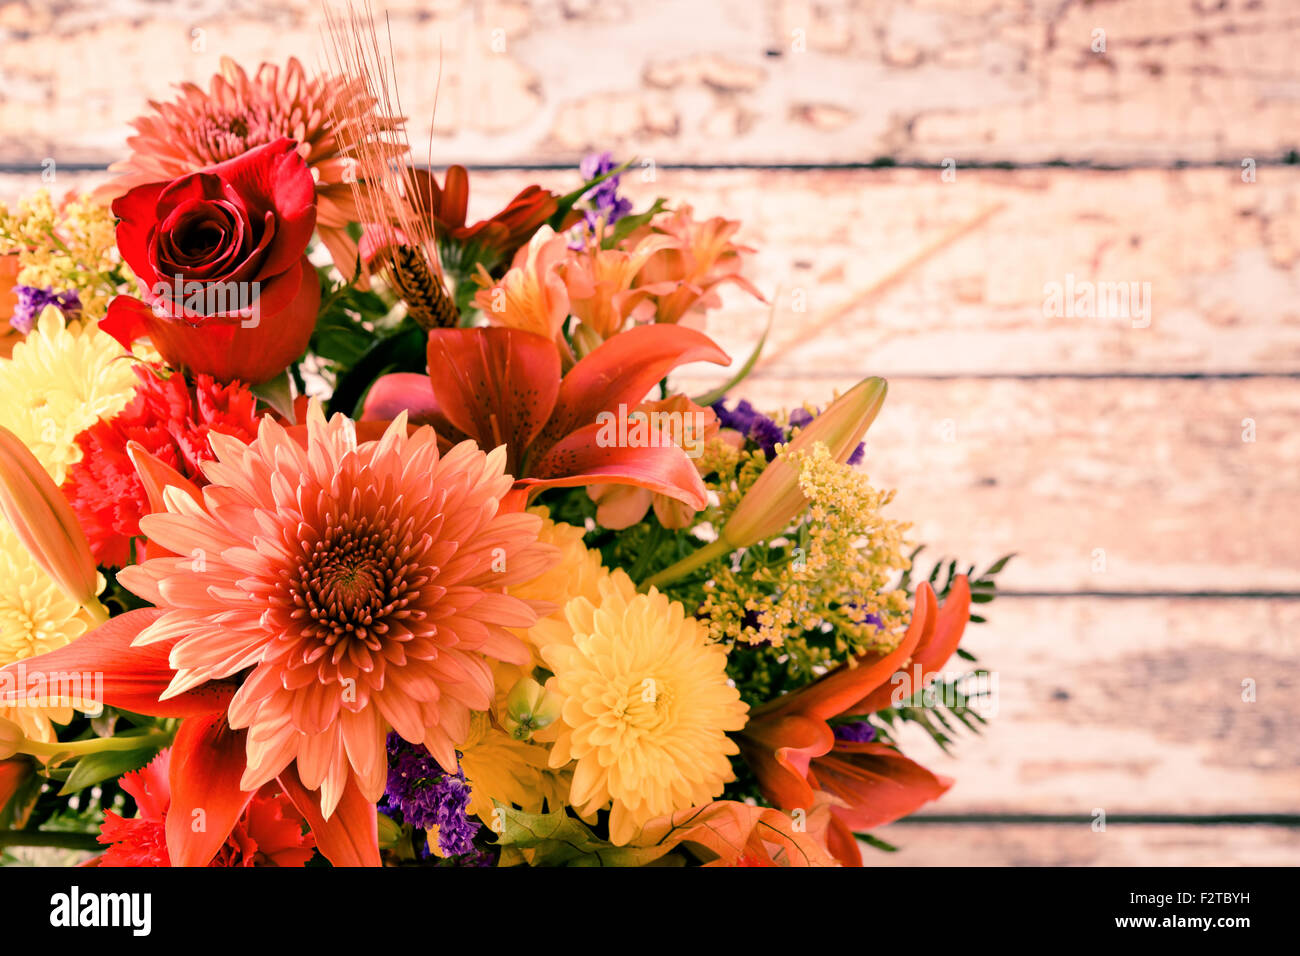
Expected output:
(32, 302)
(427, 795)
(606, 202)
(858, 732)
(751, 423)
(800, 417)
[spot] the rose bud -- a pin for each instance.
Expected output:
(225, 285)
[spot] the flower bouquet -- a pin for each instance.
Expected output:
(337, 528)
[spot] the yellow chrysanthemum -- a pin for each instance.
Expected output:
(576, 574)
(646, 706)
(35, 617)
(59, 381)
(498, 767)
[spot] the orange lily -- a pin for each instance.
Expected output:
(795, 754)
(501, 386)
(729, 833)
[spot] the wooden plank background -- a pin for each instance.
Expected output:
(1159, 551)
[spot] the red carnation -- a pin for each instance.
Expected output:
(270, 832)
(219, 255)
(172, 421)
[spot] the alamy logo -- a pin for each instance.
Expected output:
(654, 429)
(1085, 299)
(76, 909)
(210, 298)
(81, 689)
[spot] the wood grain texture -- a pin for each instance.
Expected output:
(1110, 485)
(1133, 706)
(715, 81)
(1055, 845)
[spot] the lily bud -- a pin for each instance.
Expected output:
(44, 523)
(586, 340)
(390, 833)
(529, 708)
(12, 738)
(774, 500)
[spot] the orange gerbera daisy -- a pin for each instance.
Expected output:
(201, 128)
(355, 586)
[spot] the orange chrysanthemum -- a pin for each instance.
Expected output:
(353, 586)
(201, 128)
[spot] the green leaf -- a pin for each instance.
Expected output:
(876, 842)
(93, 768)
(404, 351)
(569, 200)
(998, 565)
(277, 393)
(561, 840)
(629, 224)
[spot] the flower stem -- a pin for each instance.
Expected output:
(692, 562)
(79, 748)
(64, 840)
(98, 613)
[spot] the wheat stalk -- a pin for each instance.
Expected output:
(396, 213)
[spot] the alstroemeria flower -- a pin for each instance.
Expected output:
(600, 284)
(621, 506)
(702, 258)
(531, 295)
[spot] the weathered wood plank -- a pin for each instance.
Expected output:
(1208, 260)
(1131, 706)
(1120, 845)
(729, 80)
(1111, 485)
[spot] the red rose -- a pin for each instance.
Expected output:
(219, 255)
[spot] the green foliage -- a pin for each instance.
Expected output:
(558, 839)
(938, 709)
(404, 350)
(876, 843)
(983, 586)
(349, 324)
(630, 223)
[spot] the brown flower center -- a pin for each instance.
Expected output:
(358, 578)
